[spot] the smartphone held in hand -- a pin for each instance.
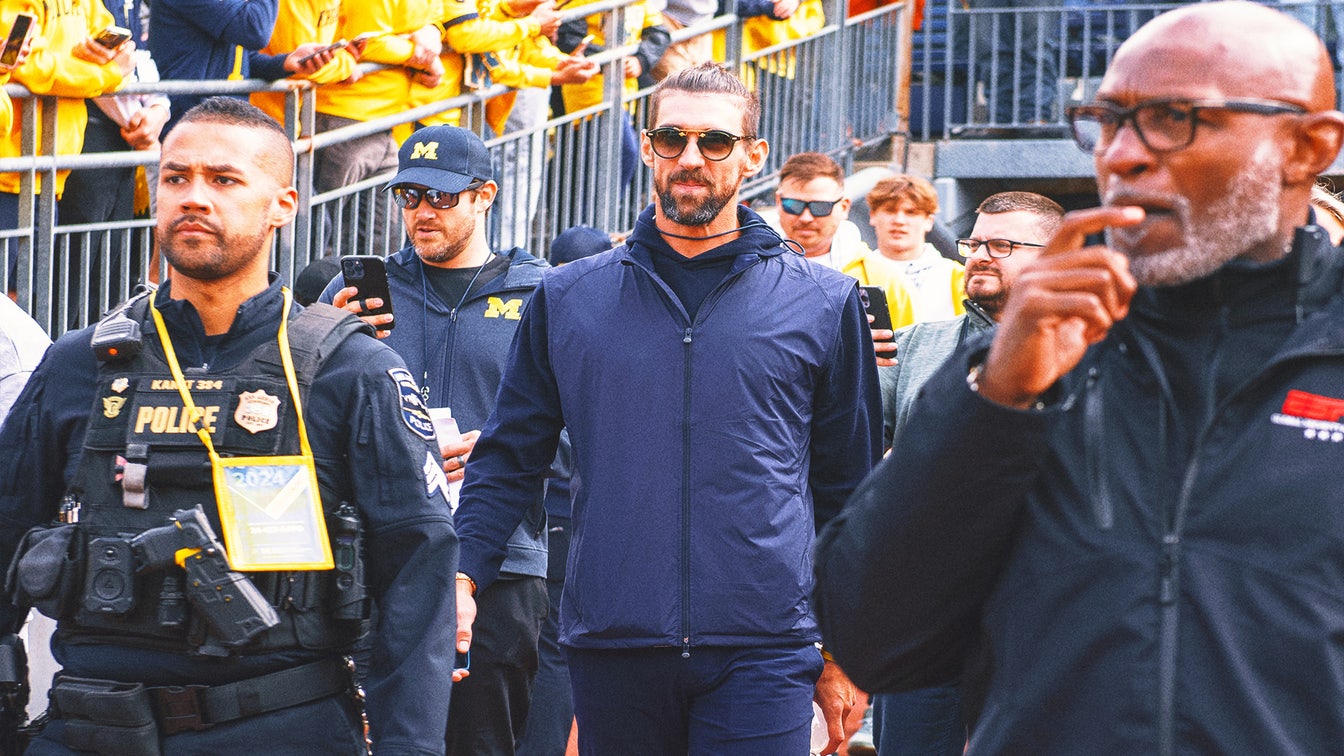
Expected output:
(368, 274)
(112, 37)
(14, 42)
(875, 303)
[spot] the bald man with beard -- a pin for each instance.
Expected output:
(1123, 529)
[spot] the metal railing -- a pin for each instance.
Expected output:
(841, 93)
(992, 67)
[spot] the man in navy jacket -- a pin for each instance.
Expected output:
(1124, 515)
(721, 397)
(457, 306)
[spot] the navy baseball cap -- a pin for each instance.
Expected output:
(446, 158)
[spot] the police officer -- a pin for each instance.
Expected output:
(219, 418)
(458, 305)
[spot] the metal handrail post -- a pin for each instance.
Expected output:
(732, 42)
(23, 245)
(43, 246)
(833, 77)
(609, 168)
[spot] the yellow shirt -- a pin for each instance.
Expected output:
(385, 92)
(300, 22)
(872, 269)
(638, 17)
(51, 69)
(466, 32)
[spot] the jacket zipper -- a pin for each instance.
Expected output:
(687, 338)
(686, 500)
(1102, 509)
(1169, 562)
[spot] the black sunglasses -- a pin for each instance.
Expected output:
(669, 142)
(408, 197)
(818, 208)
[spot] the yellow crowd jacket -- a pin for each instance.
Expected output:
(385, 92)
(638, 17)
(50, 69)
(301, 22)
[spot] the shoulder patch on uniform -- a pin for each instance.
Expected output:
(435, 480)
(413, 411)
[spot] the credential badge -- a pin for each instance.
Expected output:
(112, 406)
(121, 384)
(257, 411)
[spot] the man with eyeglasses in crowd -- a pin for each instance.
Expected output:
(721, 398)
(457, 306)
(1141, 552)
(1011, 229)
(812, 208)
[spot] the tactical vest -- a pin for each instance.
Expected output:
(138, 434)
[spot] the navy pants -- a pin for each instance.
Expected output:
(552, 712)
(926, 721)
(721, 701)
(326, 726)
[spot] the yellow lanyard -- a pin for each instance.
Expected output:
(193, 414)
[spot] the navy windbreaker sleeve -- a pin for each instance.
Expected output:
(516, 448)
(248, 23)
(410, 548)
(40, 446)
(846, 415)
(269, 67)
(904, 570)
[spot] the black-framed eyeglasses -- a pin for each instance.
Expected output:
(818, 208)
(997, 248)
(1164, 125)
(669, 142)
(408, 197)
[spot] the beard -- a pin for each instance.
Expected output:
(454, 241)
(689, 212)
(990, 294)
(1244, 218)
(438, 254)
(211, 258)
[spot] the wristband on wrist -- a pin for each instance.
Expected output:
(471, 584)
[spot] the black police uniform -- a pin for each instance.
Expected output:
(372, 446)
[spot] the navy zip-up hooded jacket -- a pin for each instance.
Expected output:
(704, 451)
(459, 354)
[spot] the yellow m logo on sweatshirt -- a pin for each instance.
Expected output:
(510, 310)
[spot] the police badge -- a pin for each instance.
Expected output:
(257, 411)
(112, 406)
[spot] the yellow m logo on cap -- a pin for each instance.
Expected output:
(426, 150)
(510, 310)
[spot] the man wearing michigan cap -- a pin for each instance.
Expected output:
(457, 304)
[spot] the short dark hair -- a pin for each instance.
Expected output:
(235, 112)
(710, 78)
(806, 166)
(1051, 214)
